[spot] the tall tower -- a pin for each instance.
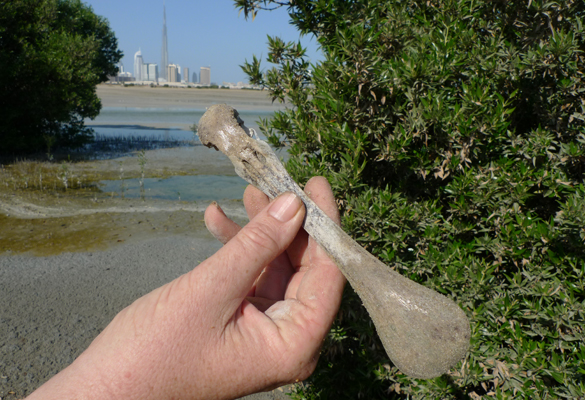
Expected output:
(138, 65)
(165, 54)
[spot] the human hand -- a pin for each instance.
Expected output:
(250, 318)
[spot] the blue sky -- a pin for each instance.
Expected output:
(200, 33)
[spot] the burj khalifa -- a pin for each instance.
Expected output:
(165, 54)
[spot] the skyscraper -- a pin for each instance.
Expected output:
(149, 72)
(205, 76)
(172, 73)
(165, 53)
(138, 65)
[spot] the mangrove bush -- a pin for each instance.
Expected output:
(453, 134)
(52, 55)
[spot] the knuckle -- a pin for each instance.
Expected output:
(299, 371)
(259, 236)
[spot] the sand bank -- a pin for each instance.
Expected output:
(161, 97)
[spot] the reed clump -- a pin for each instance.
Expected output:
(46, 176)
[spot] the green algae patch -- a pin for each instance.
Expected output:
(92, 232)
(52, 236)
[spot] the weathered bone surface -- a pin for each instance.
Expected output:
(424, 333)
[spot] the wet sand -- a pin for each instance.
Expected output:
(58, 304)
(69, 264)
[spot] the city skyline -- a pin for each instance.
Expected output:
(163, 72)
(199, 34)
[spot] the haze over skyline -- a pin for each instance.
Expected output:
(200, 33)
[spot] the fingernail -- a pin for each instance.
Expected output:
(285, 207)
(217, 207)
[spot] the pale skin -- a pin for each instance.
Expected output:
(252, 317)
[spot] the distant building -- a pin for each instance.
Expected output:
(172, 73)
(150, 72)
(138, 65)
(164, 61)
(121, 77)
(153, 72)
(205, 77)
(195, 79)
(185, 74)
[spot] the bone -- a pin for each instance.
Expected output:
(423, 332)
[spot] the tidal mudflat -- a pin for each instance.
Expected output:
(146, 159)
(82, 235)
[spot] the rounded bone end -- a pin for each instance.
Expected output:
(430, 351)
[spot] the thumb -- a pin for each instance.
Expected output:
(231, 272)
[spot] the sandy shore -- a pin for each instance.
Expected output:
(85, 260)
(161, 97)
(57, 305)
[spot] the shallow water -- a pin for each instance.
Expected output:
(130, 132)
(203, 183)
(169, 119)
(205, 188)
(120, 131)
